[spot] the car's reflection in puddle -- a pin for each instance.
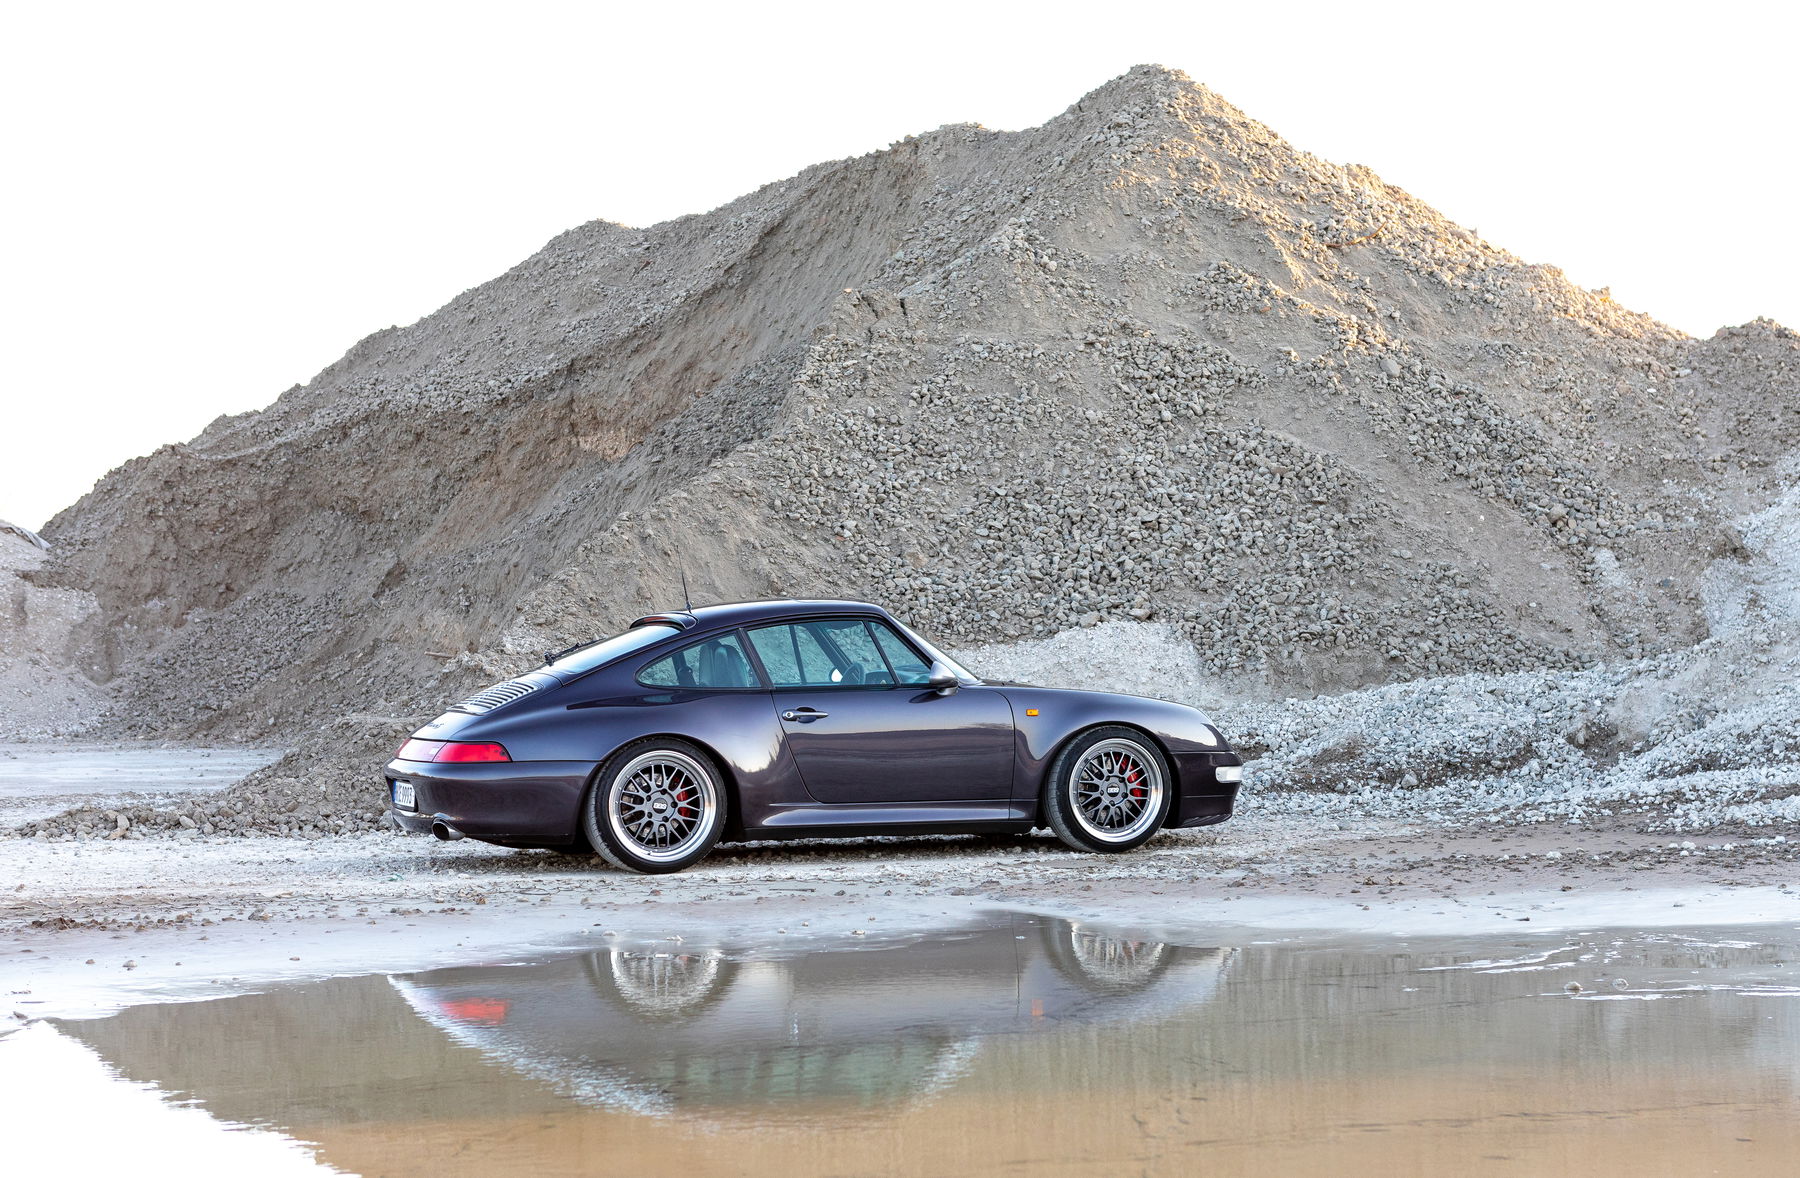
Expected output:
(668, 1029)
(1016, 1043)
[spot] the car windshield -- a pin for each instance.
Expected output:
(598, 653)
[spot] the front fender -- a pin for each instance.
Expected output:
(1195, 748)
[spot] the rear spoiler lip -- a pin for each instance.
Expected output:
(680, 621)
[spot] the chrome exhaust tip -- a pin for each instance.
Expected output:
(445, 832)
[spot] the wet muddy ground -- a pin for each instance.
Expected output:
(1285, 992)
(40, 779)
(997, 1041)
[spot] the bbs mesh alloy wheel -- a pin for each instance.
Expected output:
(1108, 790)
(656, 807)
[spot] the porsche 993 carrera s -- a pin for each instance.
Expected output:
(797, 719)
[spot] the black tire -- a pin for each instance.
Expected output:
(627, 788)
(1091, 753)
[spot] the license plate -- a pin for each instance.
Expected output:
(403, 795)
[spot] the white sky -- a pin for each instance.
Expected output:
(203, 205)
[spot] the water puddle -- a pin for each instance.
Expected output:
(40, 779)
(1016, 1043)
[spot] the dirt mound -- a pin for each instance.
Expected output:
(42, 693)
(1147, 362)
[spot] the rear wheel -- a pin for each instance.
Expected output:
(657, 807)
(1108, 790)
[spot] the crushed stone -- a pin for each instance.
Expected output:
(1706, 738)
(43, 692)
(1147, 365)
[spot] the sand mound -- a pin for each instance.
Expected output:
(1147, 362)
(42, 691)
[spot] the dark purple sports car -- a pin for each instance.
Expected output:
(797, 719)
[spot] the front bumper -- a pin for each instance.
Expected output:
(1205, 798)
(510, 801)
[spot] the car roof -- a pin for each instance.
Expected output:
(748, 613)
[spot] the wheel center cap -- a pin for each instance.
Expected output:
(659, 805)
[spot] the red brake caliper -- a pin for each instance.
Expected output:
(1132, 777)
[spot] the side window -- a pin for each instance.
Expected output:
(716, 664)
(816, 664)
(660, 673)
(857, 656)
(793, 657)
(814, 654)
(909, 669)
(779, 654)
(837, 652)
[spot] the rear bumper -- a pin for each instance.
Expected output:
(1204, 798)
(514, 801)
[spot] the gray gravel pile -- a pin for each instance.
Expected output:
(1145, 363)
(1328, 478)
(1701, 739)
(1138, 658)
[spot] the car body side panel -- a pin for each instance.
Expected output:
(860, 747)
(738, 725)
(580, 724)
(844, 820)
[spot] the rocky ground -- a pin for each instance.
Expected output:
(86, 923)
(1699, 740)
(1494, 579)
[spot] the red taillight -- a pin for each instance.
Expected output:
(441, 751)
(471, 750)
(482, 1012)
(419, 750)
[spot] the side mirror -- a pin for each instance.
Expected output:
(942, 679)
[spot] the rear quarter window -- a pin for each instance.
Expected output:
(715, 664)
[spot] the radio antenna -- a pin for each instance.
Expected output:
(686, 598)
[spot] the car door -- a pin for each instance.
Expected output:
(863, 727)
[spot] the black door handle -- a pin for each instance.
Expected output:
(801, 715)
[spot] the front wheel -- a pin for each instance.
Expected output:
(657, 807)
(1108, 790)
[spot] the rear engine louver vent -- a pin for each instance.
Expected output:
(490, 698)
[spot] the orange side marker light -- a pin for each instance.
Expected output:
(1031, 711)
